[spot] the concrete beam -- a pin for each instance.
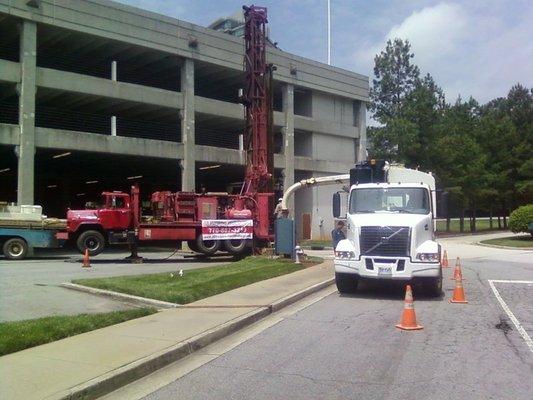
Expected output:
(142, 28)
(9, 71)
(218, 155)
(9, 134)
(26, 88)
(218, 108)
(84, 84)
(326, 166)
(188, 167)
(288, 140)
(361, 124)
(327, 127)
(84, 141)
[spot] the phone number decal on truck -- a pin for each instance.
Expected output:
(222, 229)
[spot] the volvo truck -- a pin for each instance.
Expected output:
(390, 219)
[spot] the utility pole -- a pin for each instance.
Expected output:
(329, 32)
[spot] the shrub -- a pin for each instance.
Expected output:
(520, 218)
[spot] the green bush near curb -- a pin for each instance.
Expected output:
(20, 335)
(196, 284)
(521, 218)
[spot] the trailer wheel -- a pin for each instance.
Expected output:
(207, 247)
(15, 249)
(192, 245)
(91, 240)
(238, 246)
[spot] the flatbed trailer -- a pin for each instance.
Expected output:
(25, 228)
(18, 242)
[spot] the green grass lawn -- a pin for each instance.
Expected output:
(525, 241)
(20, 335)
(199, 283)
(481, 225)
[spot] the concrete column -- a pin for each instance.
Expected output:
(288, 140)
(188, 171)
(26, 90)
(361, 125)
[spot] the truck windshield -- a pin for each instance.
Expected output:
(397, 199)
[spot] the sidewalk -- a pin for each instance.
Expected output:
(94, 363)
(466, 246)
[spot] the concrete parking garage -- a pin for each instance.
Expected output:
(118, 86)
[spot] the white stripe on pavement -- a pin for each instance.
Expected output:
(506, 308)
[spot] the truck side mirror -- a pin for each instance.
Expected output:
(336, 205)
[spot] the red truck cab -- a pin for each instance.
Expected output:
(88, 228)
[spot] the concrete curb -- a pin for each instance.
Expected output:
(128, 373)
(120, 296)
(495, 246)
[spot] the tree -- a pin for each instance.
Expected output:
(423, 108)
(499, 139)
(395, 78)
(524, 184)
(409, 136)
(482, 155)
(507, 136)
(460, 162)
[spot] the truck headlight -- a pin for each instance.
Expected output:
(344, 254)
(428, 257)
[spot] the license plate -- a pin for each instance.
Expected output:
(384, 270)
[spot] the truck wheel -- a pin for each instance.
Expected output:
(91, 240)
(238, 246)
(192, 245)
(346, 283)
(434, 286)
(15, 249)
(207, 247)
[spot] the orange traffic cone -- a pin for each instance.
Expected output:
(408, 320)
(86, 262)
(444, 262)
(458, 292)
(457, 273)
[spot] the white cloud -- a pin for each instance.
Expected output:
(433, 31)
(469, 49)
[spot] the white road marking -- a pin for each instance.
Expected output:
(506, 308)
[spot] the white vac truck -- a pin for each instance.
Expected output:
(390, 222)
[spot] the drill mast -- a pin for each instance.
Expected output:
(258, 104)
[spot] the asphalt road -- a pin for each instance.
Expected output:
(346, 347)
(29, 288)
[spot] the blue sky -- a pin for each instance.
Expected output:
(471, 47)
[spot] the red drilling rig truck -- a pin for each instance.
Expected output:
(208, 222)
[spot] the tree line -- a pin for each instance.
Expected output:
(481, 154)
